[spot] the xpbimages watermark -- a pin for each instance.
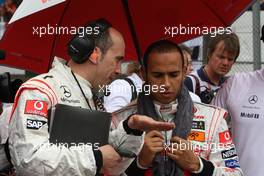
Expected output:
(213, 147)
(173, 31)
(147, 89)
(41, 31)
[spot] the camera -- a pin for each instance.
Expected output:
(207, 95)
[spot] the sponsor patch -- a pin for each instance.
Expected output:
(249, 115)
(66, 91)
(232, 163)
(165, 108)
(229, 153)
(198, 125)
(229, 170)
(197, 136)
(225, 137)
(35, 124)
(36, 107)
(199, 117)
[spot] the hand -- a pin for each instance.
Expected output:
(181, 152)
(153, 144)
(145, 123)
(110, 157)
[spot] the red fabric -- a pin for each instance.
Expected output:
(31, 52)
(148, 172)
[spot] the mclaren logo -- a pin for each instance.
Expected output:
(66, 91)
(253, 99)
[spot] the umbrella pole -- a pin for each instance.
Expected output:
(133, 31)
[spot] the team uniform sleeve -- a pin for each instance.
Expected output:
(223, 152)
(120, 95)
(31, 152)
(125, 140)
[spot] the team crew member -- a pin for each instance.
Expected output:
(242, 95)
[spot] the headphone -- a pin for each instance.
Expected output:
(80, 47)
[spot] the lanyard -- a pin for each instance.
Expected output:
(82, 91)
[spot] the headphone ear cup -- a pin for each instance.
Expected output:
(79, 49)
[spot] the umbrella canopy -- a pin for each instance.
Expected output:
(182, 20)
(40, 29)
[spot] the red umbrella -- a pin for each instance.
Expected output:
(169, 18)
(27, 49)
(140, 21)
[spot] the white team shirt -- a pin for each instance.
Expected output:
(243, 96)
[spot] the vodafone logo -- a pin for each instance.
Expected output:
(38, 105)
(225, 137)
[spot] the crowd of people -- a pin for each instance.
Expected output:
(170, 119)
(8, 8)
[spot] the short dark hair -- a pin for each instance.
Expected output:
(104, 42)
(230, 40)
(161, 46)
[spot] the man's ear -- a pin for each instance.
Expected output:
(94, 57)
(184, 70)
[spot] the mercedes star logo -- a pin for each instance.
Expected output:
(66, 91)
(253, 99)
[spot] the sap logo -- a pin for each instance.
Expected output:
(229, 153)
(35, 124)
(232, 163)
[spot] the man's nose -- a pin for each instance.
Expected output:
(118, 68)
(225, 61)
(166, 81)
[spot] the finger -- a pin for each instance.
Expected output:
(158, 149)
(176, 139)
(155, 133)
(156, 139)
(177, 152)
(162, 126)
(157, 144)
(173, 157)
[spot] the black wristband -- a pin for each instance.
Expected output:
(98, 156)
(130, 130)
(208, 169)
